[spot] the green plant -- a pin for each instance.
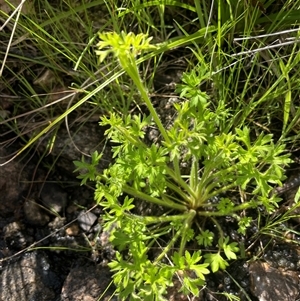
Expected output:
(220, 161)
(60, 36)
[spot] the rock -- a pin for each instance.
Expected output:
(88, 283)
(269, 284)
(34, 214)
(53, 197)
(73, 230)
(14, 235)
(29, 278)
(86, 220)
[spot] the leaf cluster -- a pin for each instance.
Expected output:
(220, 160)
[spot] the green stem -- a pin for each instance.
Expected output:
(160, 219)
(222, 172)
(218, 191)
(175, 199)
(178, 179)
(194, 179)
(177, 189)
(132, 71)
(187, 225)
(167, 248)
(218, 227)
(166, 202)
(189, 218)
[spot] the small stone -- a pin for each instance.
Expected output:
(73, 230)
(12, 228)
(15, 236)
(86, 220)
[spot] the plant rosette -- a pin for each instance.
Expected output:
(220, 161)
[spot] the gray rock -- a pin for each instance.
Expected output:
(86, 220)
(29, 278)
